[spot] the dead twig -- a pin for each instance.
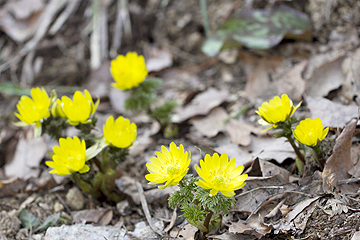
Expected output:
(172, 222)
(146, 209)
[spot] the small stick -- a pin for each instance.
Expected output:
(146, 209)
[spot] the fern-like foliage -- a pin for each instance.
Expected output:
(163, 113)
(217, 204)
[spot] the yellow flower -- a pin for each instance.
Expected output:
(69, 157)
(128, 71)
(169, 166)
(121, 133)
(218, 174)
(276, 111)
(310, 132)
(80, 108)
(56, 109)
(33, 110)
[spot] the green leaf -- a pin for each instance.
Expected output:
(49, 221)
(27, 219)
(260, 29)
(12, 89)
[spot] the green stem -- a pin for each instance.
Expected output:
(205, 17)
(296, 149)
(319, 155)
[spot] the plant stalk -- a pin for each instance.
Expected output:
(296, 149)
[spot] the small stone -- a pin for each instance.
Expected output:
(75, 199)
(58, 207)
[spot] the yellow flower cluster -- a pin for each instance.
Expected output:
(217, 173)
(275, 111)
(69, 157)
(220, 174)
(79, 109)
(119, 133)
(128, 71)
(310, 132)
(168, 166)
(32, 111)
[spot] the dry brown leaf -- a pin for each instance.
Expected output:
(212, 124)
(331, 114)
(90, 215)
(117, 99)
(201, 104)
(265, 168)
(351, 69)
(28, 155)
(339, 163)
(240, 131)
(356, 236)
(232, 236)
(325, 78)
(355, 158)
(298, 208)
(157, 59)
(99, 83)
(19, 19)
(292, 82)
(258, 70)
(258, 190)
(263, 148)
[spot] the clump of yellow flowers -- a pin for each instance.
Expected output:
(278, 112)
(79, 156)
(130, 74)
(197, 197)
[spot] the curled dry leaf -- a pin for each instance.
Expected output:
(263, 148)
(19, 19)
(351, 69)
(327, 77)
(212, 124)
(331, 114)
(339, 163)
(240, 132)
(28, 155)
(201, 104)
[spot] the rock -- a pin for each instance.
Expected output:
(88, 232)
(75, 199)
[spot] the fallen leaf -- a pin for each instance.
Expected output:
(28, 155)
(325, 78)
(117, 99)
(356, 236)
(292, 83)
(351, 69)
(92, 216)
(339, 163)
(258, 190)
(239, 131)
(19, 19)
(157, 59)
(99, 82)
(298, 208)
(267, 169)
(201, 104)
(332, 114)
(141, 143)
(259, 86)
(212, 124)
(264, 148)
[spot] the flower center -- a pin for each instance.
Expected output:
(219, 179)
(172, 170)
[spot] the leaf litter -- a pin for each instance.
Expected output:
(277, 201)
